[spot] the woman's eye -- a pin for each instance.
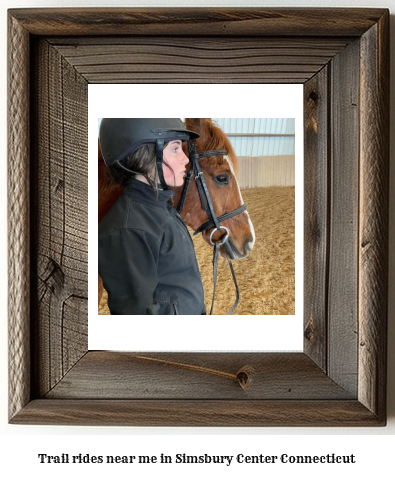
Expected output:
(222, 179)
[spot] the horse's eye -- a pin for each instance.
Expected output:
(221, 180)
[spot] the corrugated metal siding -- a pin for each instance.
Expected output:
(260, 146)
(266, 171)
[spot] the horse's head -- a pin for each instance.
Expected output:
(220, 176)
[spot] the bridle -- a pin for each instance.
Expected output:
(213, 220)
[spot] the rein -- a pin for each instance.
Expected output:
(215, 221)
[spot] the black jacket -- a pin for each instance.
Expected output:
(146, 256)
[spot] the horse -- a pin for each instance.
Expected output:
(220, 176)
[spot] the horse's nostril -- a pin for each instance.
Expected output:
(248, 245)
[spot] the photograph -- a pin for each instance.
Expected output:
(238, 195)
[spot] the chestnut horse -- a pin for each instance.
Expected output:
(220, 176)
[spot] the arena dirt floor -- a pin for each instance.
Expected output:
(266, 277)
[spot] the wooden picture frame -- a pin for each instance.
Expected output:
(342, 58)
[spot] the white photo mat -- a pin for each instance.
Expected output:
(252, 333)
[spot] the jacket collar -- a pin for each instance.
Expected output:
(143, 191)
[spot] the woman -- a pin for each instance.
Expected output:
(146, 256)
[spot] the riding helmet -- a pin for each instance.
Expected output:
(120, 137)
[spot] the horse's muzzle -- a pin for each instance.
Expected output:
(230, 250)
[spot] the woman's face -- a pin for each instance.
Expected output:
(175, 157)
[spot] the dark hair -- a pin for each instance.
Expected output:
(142, 161)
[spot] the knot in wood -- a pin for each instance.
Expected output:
(309, 331)
(244, 376)
(313, 96)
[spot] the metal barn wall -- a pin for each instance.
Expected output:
(266, 171)
(265, 148)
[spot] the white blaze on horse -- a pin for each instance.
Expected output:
(226, 223)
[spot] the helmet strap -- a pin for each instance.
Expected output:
(159, 162)
(119, 164)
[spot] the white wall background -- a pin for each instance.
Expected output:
(373, 447)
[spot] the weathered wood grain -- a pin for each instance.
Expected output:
(202, 413)
(61, 202)
(18, 217)
(343, 211)
(373, 227)
(316, 215)
(328, 22)
(214, 60)
(284, 376)
(53, 55)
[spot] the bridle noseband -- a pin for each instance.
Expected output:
(213, 221)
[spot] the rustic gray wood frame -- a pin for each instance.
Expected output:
(342, 58)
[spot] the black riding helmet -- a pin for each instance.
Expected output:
(120, 137)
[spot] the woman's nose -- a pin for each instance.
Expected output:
(185, 159)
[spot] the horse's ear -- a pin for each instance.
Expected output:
(196, 124)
